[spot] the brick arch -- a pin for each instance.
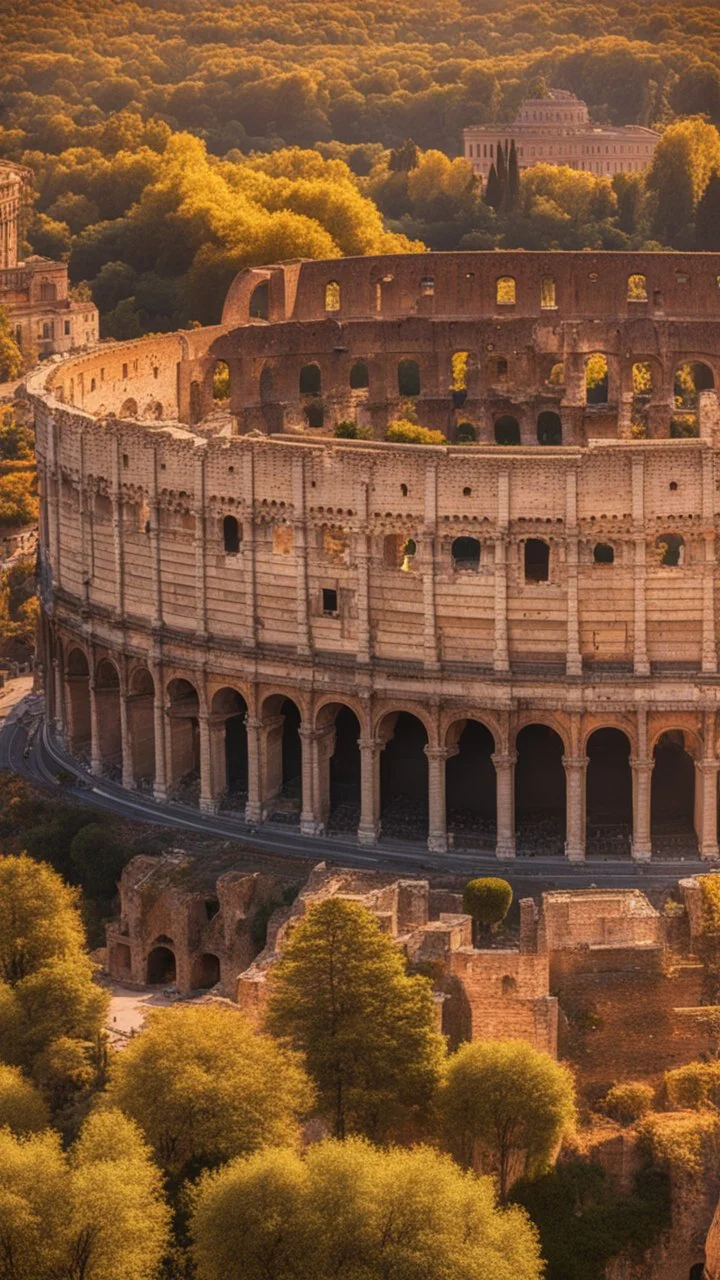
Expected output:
(622, 723)
(220, 686)
(282, 694)
(692, 735)
(549, 720)
(333, 704)
(412, 709)
(452, 726)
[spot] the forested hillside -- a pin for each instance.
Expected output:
(174, 144)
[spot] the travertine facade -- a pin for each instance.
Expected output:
(557, 130)
(474, 643)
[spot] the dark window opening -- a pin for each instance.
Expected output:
(502, 367)
(537, 560)
(260, 301)
(409, 378)
(315, 415)
(466, 433)
(359, 376)
(549, 429)
(466, 554)
(603, 554)
(310, 380)
(231, 535)
(507, 430)
(330, 600)
(212, 906)
(672, 549)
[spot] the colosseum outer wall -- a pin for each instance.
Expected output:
(258, 571)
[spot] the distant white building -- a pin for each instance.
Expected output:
(557, 130)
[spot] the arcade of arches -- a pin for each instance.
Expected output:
(563, 784)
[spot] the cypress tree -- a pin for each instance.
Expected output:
(513, 190)
(493, 193)
(707, 217)
(501, 166)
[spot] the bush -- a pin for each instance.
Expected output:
(403, 432)
(351, 431)
(629, 1102)
(694, 1087)
(487, 900)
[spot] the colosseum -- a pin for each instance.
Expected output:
(507, 642)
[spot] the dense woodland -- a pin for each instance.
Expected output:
(172, 145)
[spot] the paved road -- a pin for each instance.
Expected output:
(26, 748)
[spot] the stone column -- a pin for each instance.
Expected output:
(706, 788)
(505, 803)
(304, 642)
(323, 748)
(160, 785)
(575, 779)
(310, 822)
(369, 829)
(208, 802)
(429, 552)
(254, 808)
(437, 817)
(642, 768)
(709, 642)
(128, 777)
(200, 557)
(96, 761)
(118, 532)
(58, 719)
(500, 650)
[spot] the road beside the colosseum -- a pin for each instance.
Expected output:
(26, 749)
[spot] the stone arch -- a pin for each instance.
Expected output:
(403, 776)
(597, 378)
(603, 553)
(231, 535)
(77, 684)
(267, 385)
(548, 294)
(408, 378)
(282, 757)
(670, 549)
(672, 795)
(465, 433)
(229, 744)
(505, 291)
(141, 726)
(333, 296)
(691, 378)
(470, 782)
(221, 382)
(161, 966)
(183, 714)
(310, 380)
(507, 429)
(466, 553)
(540, 792)
(205, 971)
(107, 702)
(315, 415)
(259, 304)
(359, 376)
(549, 428)
(339, 729)
(609, 792)
(129, 408)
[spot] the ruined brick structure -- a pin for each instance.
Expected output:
(509, 643)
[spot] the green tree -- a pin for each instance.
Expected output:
(513, 179)
(488, 900)
(493, 193)
(347, 1209)
(11, 358)
(341, 995)
(685, 159)
(98, 856)
(506, 1106)
(707, 217)
(204, 1087)
(694, 1086)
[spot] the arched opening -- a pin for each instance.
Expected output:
(609, 794)
(359, 376)
(427, 286)
(228, 712)
(205, 972)
(642, 389)
(466, 554)
(556, 376)
(537, 560)
(670, 550)
(505, 291)
(408, 375)
(466, 433)
(141, 727)
(471, 787)
(221, 382)
(344, 799)
(129, 409)
(283, 759)
(540, 791)
(548, 294)
(259, 308)
(637, 288)
(267, 385)
(603, 553)
(77, 681)
(310, 380)
(549, 428)
(231, 536)
(332, 296)
(315, 415)
(697, 1272)
(161, 968)
(399, 552)
(184, 735)
(690, 380)
(459, 387)
(404, 777)
(597, 378)
(507, 430)
(107, 701)
(672, 805)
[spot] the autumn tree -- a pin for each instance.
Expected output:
(22, 1107)
(685, 159)
(204, 1087)
(11, 358)
(707, 217)
(341, 995)
(349, 1208)
(505, 1106)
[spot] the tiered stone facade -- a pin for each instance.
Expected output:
(486, 641)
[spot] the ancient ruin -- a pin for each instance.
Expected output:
(508, 642)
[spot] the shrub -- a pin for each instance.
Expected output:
(403, 432)
(695, 1086)
(682, 1142)
(346, 430)
(487, 900)
(629, 1102)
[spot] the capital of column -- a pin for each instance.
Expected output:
(371, 744)
(575, 762)
(641, 763)
(504, 760)
(439, 753)
(707, 766)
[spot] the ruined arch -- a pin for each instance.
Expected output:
(470, 782)
(507, 430)
(672, 797)
(129, 408)
(205, 972)
(259, 305)
(549, 428)
(403, 776)
(161, 968)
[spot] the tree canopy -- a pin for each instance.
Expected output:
(341, 995)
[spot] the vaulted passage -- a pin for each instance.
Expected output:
(77, 685)
(345, 773)
(540, 791)
(672, 795)
(609, 794)
(184, 735)
(107, 698)
(205, 972)
(404, 778)
(470, 789)
(141, 727)
(161, 969)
